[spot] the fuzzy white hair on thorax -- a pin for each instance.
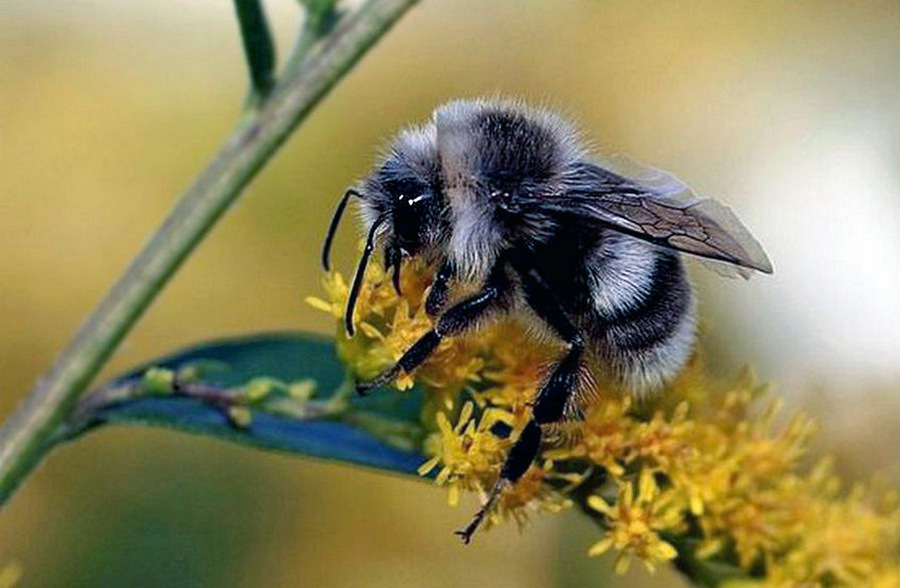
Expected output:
(475, 241)
(476, 238)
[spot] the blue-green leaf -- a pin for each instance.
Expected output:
(253, 390)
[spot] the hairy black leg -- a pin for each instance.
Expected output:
(523, 452)
(437, 296)
(455, 320)
(554, 394)
(550, 403)
(545, 304)
(548, 408)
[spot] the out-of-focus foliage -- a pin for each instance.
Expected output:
(10, 574)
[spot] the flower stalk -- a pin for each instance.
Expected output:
(164, 397)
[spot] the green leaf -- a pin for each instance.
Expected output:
(258, 45)
(281, 391)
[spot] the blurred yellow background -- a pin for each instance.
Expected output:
(786, 110)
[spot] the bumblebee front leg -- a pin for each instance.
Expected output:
(549, 406)
(437, 296)
(455, 320)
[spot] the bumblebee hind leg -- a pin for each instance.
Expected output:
(550, 404)
(548, 408)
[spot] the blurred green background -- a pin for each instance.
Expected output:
(786, 110)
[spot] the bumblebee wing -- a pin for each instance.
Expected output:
(655, 206)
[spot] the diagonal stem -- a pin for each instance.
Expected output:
(26, 437)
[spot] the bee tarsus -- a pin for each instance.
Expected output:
(466, 533)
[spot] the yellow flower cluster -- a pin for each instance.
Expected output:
(703, 468)
(389, 325)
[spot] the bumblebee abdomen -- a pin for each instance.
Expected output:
(648, 343)
(631, 300)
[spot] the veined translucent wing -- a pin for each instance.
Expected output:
(657, 207)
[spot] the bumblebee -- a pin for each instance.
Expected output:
(506, 199)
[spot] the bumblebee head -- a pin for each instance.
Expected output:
(402, 208)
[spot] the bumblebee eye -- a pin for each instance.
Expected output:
(410, 216)
(412, 200)
(418, 199)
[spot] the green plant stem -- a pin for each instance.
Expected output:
(321, 16)
(26, 437)
(259, 48)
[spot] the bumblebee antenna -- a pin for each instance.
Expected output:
(361, 272)
(332, 228)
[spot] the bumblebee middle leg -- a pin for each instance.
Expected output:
(454, 321)
(548, 408)
(550, 403)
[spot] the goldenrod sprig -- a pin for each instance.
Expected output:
(708, 475)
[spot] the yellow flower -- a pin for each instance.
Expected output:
(605, 436)
(516, 363)
(388, 325)
(634, 522)
(468, 456)
(703, 464)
